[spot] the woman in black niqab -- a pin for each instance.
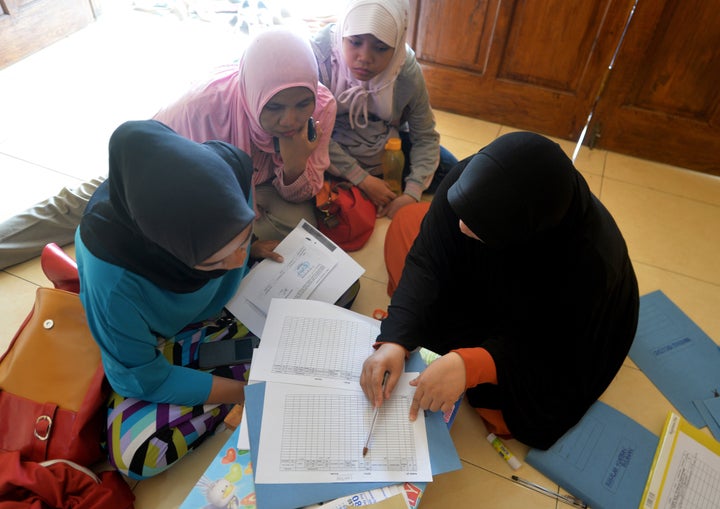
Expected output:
(521, 279)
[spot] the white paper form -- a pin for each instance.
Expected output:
(315, 416)
(686, 469)
(313, 343)
(317, 434)
(296, 278)
(693, 478)
(290, 352)
(268, 279)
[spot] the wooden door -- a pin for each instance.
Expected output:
(30, 25)
(541, 65)
(528, 63)
(662, 100)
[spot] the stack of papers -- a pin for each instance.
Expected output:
(307, 418)
(313, 268)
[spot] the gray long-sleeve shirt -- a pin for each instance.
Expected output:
(411, 112)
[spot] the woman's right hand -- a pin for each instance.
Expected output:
(295, 152)
(388, 357)
(261, 249)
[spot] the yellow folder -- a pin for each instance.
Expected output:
(685, 472)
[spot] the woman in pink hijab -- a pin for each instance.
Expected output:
(263, 106)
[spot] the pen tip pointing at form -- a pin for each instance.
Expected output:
(365, 451)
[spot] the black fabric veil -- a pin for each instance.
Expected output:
(168, 204)
(518, 189)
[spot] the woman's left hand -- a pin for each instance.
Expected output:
(261, 249)
(439, 386)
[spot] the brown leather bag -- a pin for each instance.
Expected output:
(52, 384)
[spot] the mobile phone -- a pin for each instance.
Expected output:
(226, 352)
(312, 132)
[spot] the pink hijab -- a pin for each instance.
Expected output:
(228, 107)
(274, 60)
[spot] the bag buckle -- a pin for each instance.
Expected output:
(330, 220)
(43, 424)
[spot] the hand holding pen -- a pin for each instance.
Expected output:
(388, 357)
(375, 416)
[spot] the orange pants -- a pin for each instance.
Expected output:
(399, 238)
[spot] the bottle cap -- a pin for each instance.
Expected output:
(514, 462)
(393, 144)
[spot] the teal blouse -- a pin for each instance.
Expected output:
(127, 313)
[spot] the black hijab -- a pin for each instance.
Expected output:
(168, 204)
(517, 190)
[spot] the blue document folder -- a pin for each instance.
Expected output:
(676, 355)
(604, 460)
(710, 410)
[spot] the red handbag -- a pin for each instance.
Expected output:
(59, 484)
(345, 215)
(53, 389)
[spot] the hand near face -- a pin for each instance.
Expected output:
(295, 151)
(285, 117)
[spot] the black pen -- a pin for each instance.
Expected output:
(568, 499)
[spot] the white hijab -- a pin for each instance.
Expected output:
(383, 19)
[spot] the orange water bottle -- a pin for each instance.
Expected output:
(393, 162)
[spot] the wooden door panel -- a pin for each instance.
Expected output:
(29, 25)
(531, 64)
(462, 39)
(662, 100)
(553, 55)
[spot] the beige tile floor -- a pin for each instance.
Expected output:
(61, 104)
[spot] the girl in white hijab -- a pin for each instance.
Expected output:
(380, 91)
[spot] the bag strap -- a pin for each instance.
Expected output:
(42, 430)
(73, 465)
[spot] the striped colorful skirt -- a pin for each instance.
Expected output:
(143, 438)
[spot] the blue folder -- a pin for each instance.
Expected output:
(676, 355)
(604, 460)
